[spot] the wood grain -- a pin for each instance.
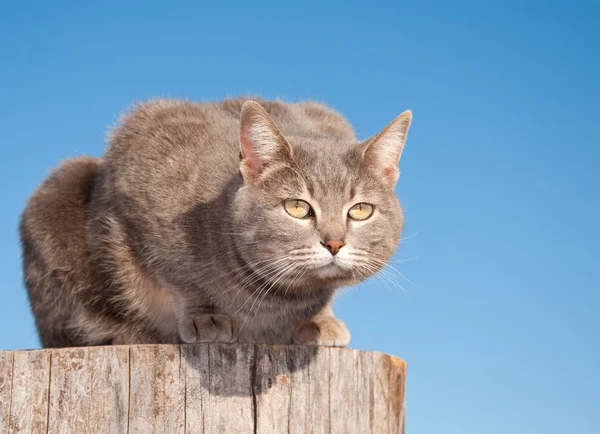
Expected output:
(70, 392)
(29, 394)
(109, 392)
(342, 383)
(272, 390)
(156, 392)
(194, 362)
(203, 388)
(230, 403)
(6, 370)
(309, 371)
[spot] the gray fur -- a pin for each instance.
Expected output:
(171, 238)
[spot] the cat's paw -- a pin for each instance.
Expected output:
(327, 331)
(206, 328)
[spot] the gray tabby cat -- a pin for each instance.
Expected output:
(225, 221)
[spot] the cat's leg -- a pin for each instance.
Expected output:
(206, 327)
(200, 324)
(322, 329)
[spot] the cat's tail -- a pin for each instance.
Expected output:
(52, 232)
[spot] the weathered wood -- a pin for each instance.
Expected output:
(6, 370)
(342, 382)
(29, 394)
(69, 392)
(364, 391)
(156, 391)
(388, 396)
(230, 405)
(309, 372)
(272, 389)
(109, 392)
(204, 388)
(194, 362)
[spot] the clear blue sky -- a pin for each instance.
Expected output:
(500, 176)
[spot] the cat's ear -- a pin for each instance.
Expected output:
(262, 144)
(383, 151)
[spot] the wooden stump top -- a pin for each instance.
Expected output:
(202, 388)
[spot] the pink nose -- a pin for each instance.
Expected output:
(333, 246)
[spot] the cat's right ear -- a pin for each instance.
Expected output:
(262, 144)
(384, 150)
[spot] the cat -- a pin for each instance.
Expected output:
(225, 221)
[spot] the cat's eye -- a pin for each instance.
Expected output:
(360, 211)
(298, 208)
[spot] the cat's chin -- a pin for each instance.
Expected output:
(331, 271)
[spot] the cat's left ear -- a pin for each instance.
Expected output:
(262, 144)
(384, 150)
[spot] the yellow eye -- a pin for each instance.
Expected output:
(360, 211)
(298, 208)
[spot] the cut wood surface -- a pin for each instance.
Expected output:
(202, 388)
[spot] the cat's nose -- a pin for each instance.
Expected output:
(333, 246)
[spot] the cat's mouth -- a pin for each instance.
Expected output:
(322, 265)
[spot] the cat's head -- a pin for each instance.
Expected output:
(317, 211)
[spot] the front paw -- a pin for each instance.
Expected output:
(327, 331)
(206, 328)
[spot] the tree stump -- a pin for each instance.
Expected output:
(201, 388)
